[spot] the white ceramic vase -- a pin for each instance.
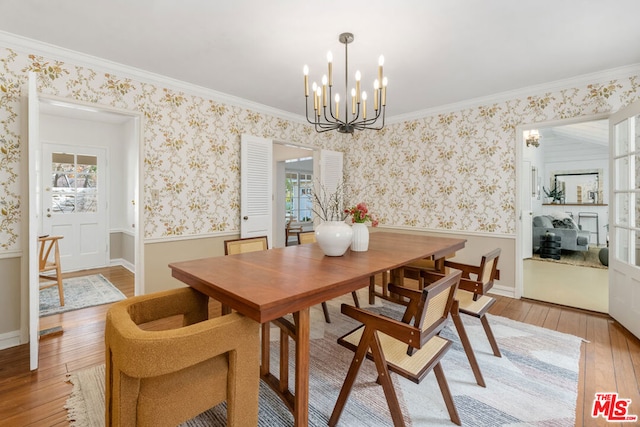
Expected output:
(334, 237)
(360, 240)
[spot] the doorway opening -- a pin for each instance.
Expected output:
(293, 180)
(566, 193)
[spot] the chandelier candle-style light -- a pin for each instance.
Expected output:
(325, 119)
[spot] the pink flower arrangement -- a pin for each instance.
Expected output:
(360, 213)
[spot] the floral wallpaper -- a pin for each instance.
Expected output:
(454, 170)
(192, 145)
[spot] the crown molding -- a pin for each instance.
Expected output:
(600, 76)
(48, 50)
(14, 41)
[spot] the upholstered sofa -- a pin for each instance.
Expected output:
(572, 237)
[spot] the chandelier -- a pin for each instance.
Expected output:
(327, 109)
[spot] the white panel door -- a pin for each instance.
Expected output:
(75, 203)
(33, 114)
(256, 195)
(624, 218)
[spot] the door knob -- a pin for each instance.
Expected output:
(245, 218)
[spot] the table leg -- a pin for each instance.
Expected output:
(265, 353)
(301, 398)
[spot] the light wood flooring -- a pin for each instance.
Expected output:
(610, 360)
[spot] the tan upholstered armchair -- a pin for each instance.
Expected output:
(163, 378)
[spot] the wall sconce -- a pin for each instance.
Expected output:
(532, 137)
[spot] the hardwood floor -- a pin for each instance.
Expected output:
(610, 359)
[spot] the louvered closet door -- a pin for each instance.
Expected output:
(256, 170)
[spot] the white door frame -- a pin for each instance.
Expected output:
(30, 281)
(519, 285)
(624, 277)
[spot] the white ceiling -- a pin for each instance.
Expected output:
(578, 140)
(436, 52)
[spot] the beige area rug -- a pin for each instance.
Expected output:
(577, 258)
(534, 383)
(79, 292)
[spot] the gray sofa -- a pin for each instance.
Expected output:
(572, 237)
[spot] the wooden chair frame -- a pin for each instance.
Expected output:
(421, 319)
(472, 297)
(47, 245)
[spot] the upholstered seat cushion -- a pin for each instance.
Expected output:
(475, 308)
(395, 351)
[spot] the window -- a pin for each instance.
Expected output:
(298, 202)
(74, 183)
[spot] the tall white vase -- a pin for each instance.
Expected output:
(334, 237)
(360, 240)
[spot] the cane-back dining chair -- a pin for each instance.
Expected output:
(245, 244)
(306, 237)
(410, 347)
(49, 260)
(472, 296)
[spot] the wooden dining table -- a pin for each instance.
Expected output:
(267, 285)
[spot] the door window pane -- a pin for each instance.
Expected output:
(622, 138)
(622, 177)
(74, 183)
(622, 244)
(622, 209)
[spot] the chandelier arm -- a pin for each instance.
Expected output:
(306, 107)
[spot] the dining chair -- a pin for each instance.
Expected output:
(245, 244)
(291, 231)
(165, 376)
(306, 237)
(310, 237)
(471, 298)
(410, 347)
(241, 246)
(49, 260)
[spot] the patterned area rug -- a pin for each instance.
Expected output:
(577, 258)
(79, 292)
(534, 383)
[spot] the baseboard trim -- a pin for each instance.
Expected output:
(503, 291)
(9, 339)
(122, 263)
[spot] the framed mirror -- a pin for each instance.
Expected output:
(580, 186)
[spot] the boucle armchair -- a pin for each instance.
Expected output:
(163, 378)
